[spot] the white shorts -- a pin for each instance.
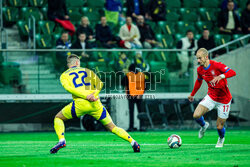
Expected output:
(222, 109)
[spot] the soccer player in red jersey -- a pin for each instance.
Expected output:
(218, 96)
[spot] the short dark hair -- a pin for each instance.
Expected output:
(205, 29)
(64, 32)
(188, 31)
(229, 1)
(81, 33)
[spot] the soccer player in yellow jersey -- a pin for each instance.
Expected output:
(85, 86)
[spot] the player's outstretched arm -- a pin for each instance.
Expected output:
(197, 86)
(227, 74)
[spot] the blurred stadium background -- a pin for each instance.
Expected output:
(31, 93)
(30, 90)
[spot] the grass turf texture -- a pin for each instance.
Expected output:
(105, 149)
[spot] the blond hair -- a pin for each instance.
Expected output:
(72, 59)
(85, 17)
(204, 52)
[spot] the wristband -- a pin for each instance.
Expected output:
(222, 76)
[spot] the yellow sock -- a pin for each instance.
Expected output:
(122, 134)
(59, 128)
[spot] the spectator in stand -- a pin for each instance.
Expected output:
(85, 28)
(245, 19)
(130, 34)
(63, 43)
(113, 11)
(104, 34)
(228, 21)
(81, 43)
(224, 4)
(135, 8)
(146, 32)
(185, 57)
(156, 10)
(57, 11)
(123, 63)
(140, 62)
(206, 41)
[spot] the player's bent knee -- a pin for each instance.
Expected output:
(60, 116)
(219, 126)
(110, 126)
(196, 115)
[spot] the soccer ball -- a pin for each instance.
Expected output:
(174, 141)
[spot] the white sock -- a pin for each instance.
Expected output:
(132, 142)
(62, 140)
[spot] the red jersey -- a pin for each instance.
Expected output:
(218, 92)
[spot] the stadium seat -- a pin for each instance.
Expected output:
(183, 27)
(23, 29)
(75, 15)
(58, 29)
(166, 40)
(44, 11)
(173, 4)
(208, 14)
(17, 3)
(46, 27)
(169, 28)
(191, 3)
(173, 16)
(112, 26)
(10, 73)
(74, 3)
(188, 15)
(37, 3)
(173, 63)
(239, 43)
(10, 15)
(95, 3)
(177, 37)
(154, 56)
(200, 25)
(221, 39)
(98, 56)
(55, 37)
(124, 10)
(26, 12)
(91, 13)
(197, 36)
(43, 41)
(152, 25)
(160, 27)
(159, 71)
(98, 66)
(210, 3)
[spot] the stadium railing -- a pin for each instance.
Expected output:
(227, 47)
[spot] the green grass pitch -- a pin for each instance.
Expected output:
(105, 149)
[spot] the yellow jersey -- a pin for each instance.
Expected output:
(81, 82)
